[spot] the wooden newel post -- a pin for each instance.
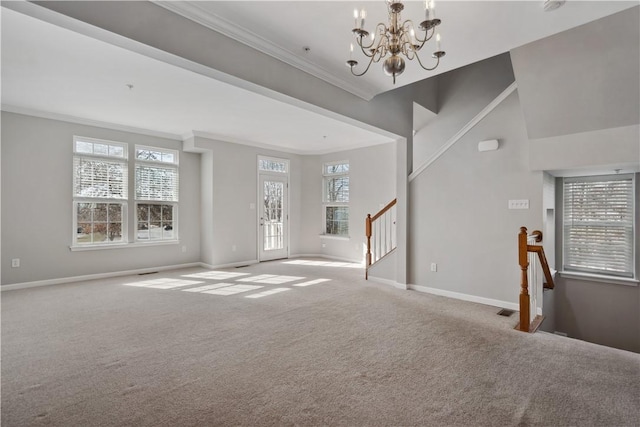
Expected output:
(367, 228)
(523, 260)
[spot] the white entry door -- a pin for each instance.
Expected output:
(273, 216)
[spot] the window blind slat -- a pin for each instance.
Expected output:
(156, 183)
(99, 178)
(599, 225)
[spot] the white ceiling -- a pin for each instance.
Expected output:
(54, 70)
(470, 31)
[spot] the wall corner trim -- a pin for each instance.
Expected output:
(464, 297)
(466, 128)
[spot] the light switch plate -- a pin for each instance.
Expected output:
(519, 204)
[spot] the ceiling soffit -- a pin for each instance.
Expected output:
(194, 12)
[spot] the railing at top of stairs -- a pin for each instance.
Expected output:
(530, 320)
(380, 231)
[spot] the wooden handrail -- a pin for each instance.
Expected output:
(543, 263)
(368, 232)
(384, 210)
(523, 249)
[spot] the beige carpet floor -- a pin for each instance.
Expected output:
(299, 342)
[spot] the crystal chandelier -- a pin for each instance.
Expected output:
(398, 38)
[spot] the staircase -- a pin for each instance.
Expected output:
(380, 231)
(530, 320)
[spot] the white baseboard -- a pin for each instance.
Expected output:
(334, 258)
(388, 282)
(230, 265)
(464, 297)
(48, 282)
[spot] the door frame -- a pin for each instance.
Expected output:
(260, 173)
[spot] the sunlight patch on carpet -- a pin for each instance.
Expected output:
(269, 292)
(312, 282)
(163, 283)
(270, 279)
(232, 290)
(207, 287)
(216, 275)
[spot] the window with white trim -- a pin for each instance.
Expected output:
(266, 164)
(598, 225)
(100, 185)
(156, 193)
(336, 198)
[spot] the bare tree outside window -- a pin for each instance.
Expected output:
(273, 215)
(336, 198)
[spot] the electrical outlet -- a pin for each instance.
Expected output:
(324, 245)
(15, 262)
(233, 248)
(434, 266)
(184, 249)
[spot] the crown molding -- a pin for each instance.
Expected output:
(192, 11)
(233, 140)
(87, 122)
(222, 138)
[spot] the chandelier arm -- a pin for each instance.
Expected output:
(365, 53)
(366, 69)
(427, 68)
(379, 52)
(409, 51)
(364, 49)
(383, 30)
(426, 38)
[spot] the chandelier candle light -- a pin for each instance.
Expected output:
(395, 39)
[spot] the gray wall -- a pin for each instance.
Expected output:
(458, 212)
(372, 185)
(583, 79)
(37, 204)
(218, 184)
(462, 94)
(229, 183)
(230, 186)
(602, 313)
(605, 149)
(599, 312)
(580, 97)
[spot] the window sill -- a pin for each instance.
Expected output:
(627, 281)
(122, 245)
(334, 237)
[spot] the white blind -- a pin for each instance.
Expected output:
(100, 178)
(158, 183)
(599, 225)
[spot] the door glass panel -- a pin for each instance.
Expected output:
(272, 217)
